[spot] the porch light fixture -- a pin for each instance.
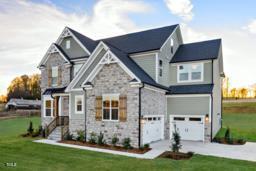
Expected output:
(207, 118)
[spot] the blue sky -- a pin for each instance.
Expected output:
(35, 24)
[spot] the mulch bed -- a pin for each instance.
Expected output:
(231, 142)
(176, 156)
(108, 147)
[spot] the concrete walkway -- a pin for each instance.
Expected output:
(149, 155)
(240, 152)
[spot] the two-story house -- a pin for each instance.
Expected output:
(139, 86)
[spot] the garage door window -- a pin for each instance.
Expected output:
(179, 118)
(194, 119)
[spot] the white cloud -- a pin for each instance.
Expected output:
(28, 29)
(181, 8)
(251, 27)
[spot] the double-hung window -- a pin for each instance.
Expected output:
(110, 107)
(76, 69)
(48, 107)
(67, 44)
(79, 107)
(160, 68)
(190, 72)
(55, 76)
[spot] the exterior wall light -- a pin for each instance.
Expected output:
(207, 118)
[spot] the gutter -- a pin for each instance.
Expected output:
(212, 104)
(139, 142)
(85, 104)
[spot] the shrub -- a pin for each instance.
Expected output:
(100, 140)
(36, 133)
(227, 135)
(241, 141)
(69, 136)
(114, 140)
(175, 144)
(44, 133)
(92, 138)
(30, 128)
(80, 135)
(146, 146)
(126, 143)
(40, 129)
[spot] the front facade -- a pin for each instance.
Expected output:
(139, 86)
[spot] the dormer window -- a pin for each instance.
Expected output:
(190, 72)
(68, 44)
(172, 45)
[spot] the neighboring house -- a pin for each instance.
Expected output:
(14, 104)
(135, 86)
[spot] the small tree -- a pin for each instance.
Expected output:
(175, 144)
(30, 129)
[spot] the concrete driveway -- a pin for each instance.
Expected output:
(240, 152)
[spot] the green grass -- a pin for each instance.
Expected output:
(241, 124)
(34, 156)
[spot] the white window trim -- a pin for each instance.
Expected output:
(45, 99)
(110, 108)
(76, 99)
(68, 44)
(189, 74)
(54, 67)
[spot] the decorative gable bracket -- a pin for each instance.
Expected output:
(108, 59)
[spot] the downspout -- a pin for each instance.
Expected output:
(212, 103)
(85, 107)
(139, 142)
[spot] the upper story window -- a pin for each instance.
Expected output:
(160, 68)
(68, 44)
(190, 72)
(110, 107)
(76, 69)
(55, 76)
(79, 107)
(172, 45)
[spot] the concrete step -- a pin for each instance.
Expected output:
(56, 134)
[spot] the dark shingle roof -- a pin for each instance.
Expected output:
(134, 67)
(197, 51)
(191, 89)
(86, 41)
(141, 41)
(50, 91)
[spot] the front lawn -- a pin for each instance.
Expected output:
(241, 124)
(35, 156)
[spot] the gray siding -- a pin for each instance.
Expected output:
(207, 75)
(75, 49)
(217, 94)
(188, 105)
(165, 55)
(91, 67)
(148, 63)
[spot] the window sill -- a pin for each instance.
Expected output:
(110, 120)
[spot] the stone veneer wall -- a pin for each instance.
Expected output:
(207, 132)
(54, 60)
(113, 79)
(154, 103)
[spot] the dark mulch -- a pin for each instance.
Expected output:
(176, 156)
(106, 146)
(230, 142)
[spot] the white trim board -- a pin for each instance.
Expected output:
(86, 65)
(52, 49)
(103, 61)
(65, 33)
(169, 37)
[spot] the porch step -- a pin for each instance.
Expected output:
(56, 134)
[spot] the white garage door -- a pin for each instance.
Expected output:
(153, 128)
(189, 127)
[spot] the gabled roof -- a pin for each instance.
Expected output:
(23, 102)
(191, 89)
(86, 41)
(134, 67)
(197, 51)
(142, 41)
(133, 42)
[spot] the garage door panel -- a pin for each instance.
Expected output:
(189, 128)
